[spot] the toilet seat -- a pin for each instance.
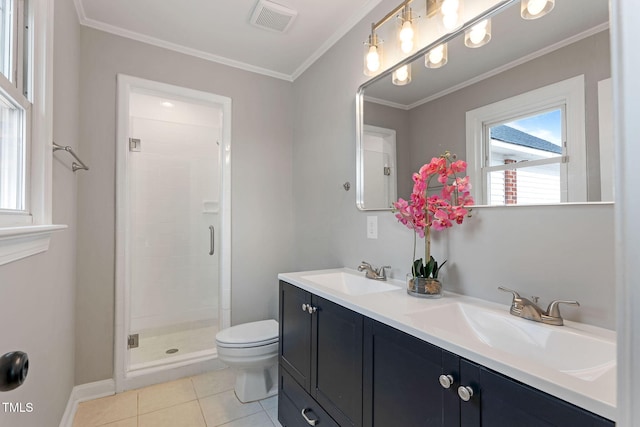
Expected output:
(253, 334)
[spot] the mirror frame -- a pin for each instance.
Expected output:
(494, 10)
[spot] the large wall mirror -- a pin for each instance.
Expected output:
(519, 105)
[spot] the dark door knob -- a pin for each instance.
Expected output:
(14, 367)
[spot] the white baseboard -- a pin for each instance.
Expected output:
(82, 393)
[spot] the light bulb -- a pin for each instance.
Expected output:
(449, 7)
(402, 73)
(373, 59)
(478, 32)
(407, 46)
(450, 21)
(436, 54)
(534, 7)
(406, 33)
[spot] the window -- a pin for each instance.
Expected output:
(15, 111)
(524, 160)
(530, 149)
(26, 88)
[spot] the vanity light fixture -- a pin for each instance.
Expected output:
(479, 34)
(402, 75)
(534, 9)
(373, 47)
(436, 57)
(451, 12)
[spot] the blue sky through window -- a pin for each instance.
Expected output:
(547, 126)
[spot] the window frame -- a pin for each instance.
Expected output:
(23, 234)
(571, 94)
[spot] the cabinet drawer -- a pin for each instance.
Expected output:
(293, 400)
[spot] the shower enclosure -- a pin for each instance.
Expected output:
(173, 157)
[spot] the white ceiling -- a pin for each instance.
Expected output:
(220, 31)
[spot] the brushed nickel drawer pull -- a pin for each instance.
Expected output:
(307, 419)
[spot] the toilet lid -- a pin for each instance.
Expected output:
(252, 334)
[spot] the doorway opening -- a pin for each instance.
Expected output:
(173, 230)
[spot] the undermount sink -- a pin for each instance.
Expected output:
(350, 284)
(560, 348)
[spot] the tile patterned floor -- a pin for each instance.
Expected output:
(207, 400)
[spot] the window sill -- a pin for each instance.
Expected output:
(20, 242)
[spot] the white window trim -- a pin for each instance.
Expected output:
(17, 242)
(571, 93)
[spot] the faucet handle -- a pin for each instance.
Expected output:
(381, 272)
(517, 303)
(515, 294)
(554, 311)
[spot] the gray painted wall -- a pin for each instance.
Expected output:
(261, 162)
(546, 251)
(37, 293)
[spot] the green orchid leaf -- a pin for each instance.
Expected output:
(435, 274)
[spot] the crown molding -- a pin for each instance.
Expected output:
(386, 103)
(344, 29)
(118, 31)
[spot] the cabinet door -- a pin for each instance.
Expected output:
(401, 380)
(336, 361)
(295, 333)
(503, 402)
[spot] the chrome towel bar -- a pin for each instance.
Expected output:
(74, 166)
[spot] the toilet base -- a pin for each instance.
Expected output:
(256, 384)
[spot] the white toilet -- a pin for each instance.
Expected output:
(252, 350)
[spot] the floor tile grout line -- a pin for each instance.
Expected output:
(242, 418)
(168, 407)
(199, 405)
(138, 408)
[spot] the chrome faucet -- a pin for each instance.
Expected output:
(372, 272)
(527, 309)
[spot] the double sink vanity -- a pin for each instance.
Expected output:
(361, 352)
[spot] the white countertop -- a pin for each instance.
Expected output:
(399, 310)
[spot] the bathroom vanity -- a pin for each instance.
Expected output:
(358, 355)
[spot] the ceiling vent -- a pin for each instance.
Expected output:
(273, 17)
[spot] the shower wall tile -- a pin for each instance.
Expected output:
(174, 280)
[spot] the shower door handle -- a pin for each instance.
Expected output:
(212, 235)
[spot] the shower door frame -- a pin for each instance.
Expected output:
(125, 379)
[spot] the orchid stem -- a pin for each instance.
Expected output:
(413, 272)
(427, 246)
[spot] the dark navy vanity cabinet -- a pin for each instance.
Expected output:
(321, 350)
(340, 368)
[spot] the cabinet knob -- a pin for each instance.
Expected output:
(304, 307)
(465, 393)
(446, 381)
(311, 309)
(307, 419)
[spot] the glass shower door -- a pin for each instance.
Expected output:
(174, 258)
